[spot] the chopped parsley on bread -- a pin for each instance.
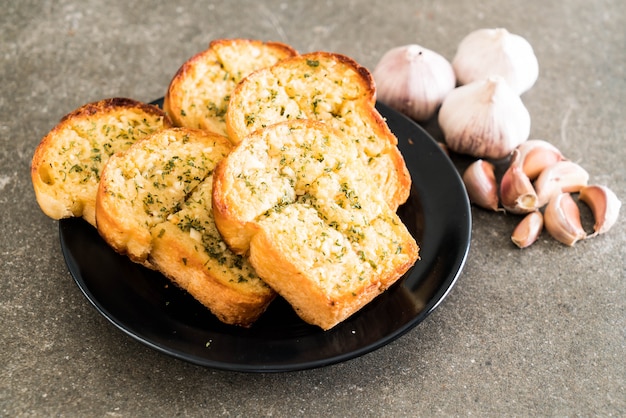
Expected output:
(67, 164)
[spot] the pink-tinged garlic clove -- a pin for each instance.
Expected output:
(537, 155)
(562, 219)
(563, 176)
(480, 183)
(517, 194)
(528, 230)
(604, 205)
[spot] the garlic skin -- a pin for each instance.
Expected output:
(528, 230)
(413, 80)
(480, 182)
(562, 219)
(484, 119)
(487, 52)
(563, 176)
(604, 205)
(537, 155)
(517, 193)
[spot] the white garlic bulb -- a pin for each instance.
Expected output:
(485, 119)
(413, 80)
(487, 52)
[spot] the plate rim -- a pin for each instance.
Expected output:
(445, 287)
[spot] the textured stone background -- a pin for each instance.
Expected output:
(534, 332)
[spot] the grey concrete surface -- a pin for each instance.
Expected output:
(534, 332)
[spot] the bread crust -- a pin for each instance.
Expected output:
(227, 285)
(231, 304)
(311, 302)
(330, 88)
(67, 163)
(297, 199)
(229, 217)
(198, 94)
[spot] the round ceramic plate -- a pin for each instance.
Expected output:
(144, 305)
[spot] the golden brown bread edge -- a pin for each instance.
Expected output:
(311, 304)
(178, 259)
(60, 200)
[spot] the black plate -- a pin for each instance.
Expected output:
(145, 306)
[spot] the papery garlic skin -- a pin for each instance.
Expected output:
(487, 52)
(413, 80)
(485, 119)
(517, 193)
(528, 230)
(604, 205)
(480, 182)
(537, 155)
(562, 219)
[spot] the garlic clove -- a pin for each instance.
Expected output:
(604, 205)
(536, 155)
(413, 80)
(517, 194)
(485, 119)
(528, 230)
(480, 183)
(496, 51)
(563, 176)
(562, 219)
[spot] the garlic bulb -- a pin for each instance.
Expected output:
(485, 119)
(413, 80)
(487, 52)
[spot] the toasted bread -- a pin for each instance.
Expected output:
(330, 88)
(297, 198)
(198, 94)
(154, 204)
(66, 166)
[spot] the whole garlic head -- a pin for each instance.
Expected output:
(413, 80)
(486, 52)
(484, 119)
